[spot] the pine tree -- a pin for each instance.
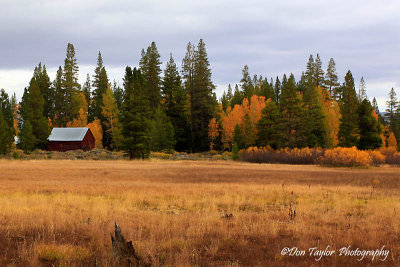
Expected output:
(348, 128)
(136, 115)
(175, 103)
(118, 93)
(246, 83)
(26, 138)
(199, 86)
(369, 128)
(100, 85)
(237, 98)
(362, 93)
(277, 89)
(292, 115)
(162, 132)
(59, 104)
(150, 67)
(391, 108)
(34, 114)
(267, 90)
(87, 90)
(70, 85)
(46, 90)
(6, 137)
(315, 118)
(310, 73)
(332, 80)
(318, 72)
(268, 127)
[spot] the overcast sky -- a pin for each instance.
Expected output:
(271, 37)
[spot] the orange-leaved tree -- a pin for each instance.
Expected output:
(95, 128)
(213, 132)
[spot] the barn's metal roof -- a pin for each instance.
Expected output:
(68, 134)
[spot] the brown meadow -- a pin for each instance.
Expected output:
(62, 212)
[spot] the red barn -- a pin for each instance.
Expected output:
(63, 139)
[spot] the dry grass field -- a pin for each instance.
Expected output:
(62, 212)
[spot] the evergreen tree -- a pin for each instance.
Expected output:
(277, 89)
(348, 128)
(292, 115)
(7, 131)
(5, 134)
(310, 73)
(362, 93)
(175, 102)
(267, 90)
(332, 80)
(246, 83)
(224, 101)
(268, 127)
(162, 132)
(136, 115)
(229, 94)
(199, 86)
(59, 119)
(391, 108)
(33, 112)
(238, 138)
(150, 67)
(318, 72)
(118, 93)
(237, 98)
(70, 86)
(87, 90)
(315, 118)
(369, 128)
(46, 90)
(100, 85)
(26, 138)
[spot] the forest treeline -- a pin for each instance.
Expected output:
(159, 109)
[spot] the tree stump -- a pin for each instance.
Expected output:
(124, 252)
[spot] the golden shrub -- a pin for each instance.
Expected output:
(348, 157)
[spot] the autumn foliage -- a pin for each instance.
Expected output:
(340, 156)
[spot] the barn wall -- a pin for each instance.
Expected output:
(86, 144)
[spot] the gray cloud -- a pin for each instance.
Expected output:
(271, 37)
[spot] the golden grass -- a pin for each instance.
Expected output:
(62, 212)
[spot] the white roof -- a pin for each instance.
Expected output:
(68, 134)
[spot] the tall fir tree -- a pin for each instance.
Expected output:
(277, 89)
(118, 93)
(246, 83)
(269, 126)
(7, 131)
(292, 115)
(136, 115)
(26, 138)
(348, 128)
(175, 103)
(369, 128)
(362, 93)
(199, 86)
(87, 89)
(332, 79)
(70, 86)
(100, 85)
(150, 67)
(162, 132)
(318, 72)
(391, 107)
(59, 119)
